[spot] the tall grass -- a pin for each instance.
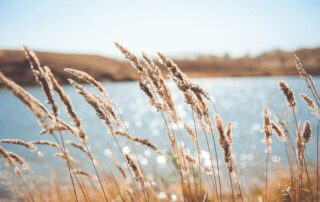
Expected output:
(193, 180)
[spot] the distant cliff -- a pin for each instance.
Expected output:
(15, 66)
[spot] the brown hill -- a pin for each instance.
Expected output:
(14, 65)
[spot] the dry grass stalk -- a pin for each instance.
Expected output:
(79, 146)
(194, 97)
(172, 140)
(136, 170)
(147, 89)
(190, 158)
(45, 142)
(147, 143)
(118, 166)
(308, 79)
(307, 131)
(312, 87)
(300, 144)
(63, 156)
(219, 125)
(45, 78)
(266, 128)
(175, 72)
(66, 100)
(226, 144)
(288, 93)
(42, 78)
(267, 141)
(161, 88)
(92, 100)
(284, 128)
(132, 58)
(102, 111)
(140, 140)
(225, 141)
(32, 103)
(41, 113)
(300, 156)
(192, 135)
(4, 153)
(9, 160)
(281, 136)
(191, 99)
(17, 158)
(82, 172)
(311, 105)
(108, 112)
(27, 145)
(151, 83)
(193, 93)
(57, 127)
(83, 76)
(180, 78)
(154, 88)
(229, 131)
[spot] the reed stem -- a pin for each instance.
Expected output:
(95, 170)
(217, 160)
(213, 170)
(307, 173)
(318, 129)
(266, 180)
(26, 186)
(198, 150)
(231, 185)
(68, 163)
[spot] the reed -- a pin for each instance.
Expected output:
(300, 156)
(154, 87)
(20, 160)
(225, 141)
(9, 160)
(267, 141)
(288, 93)
(78, 146)
(42, 76)
(104, 112)
(307, 133)
(194, 97)
(196, 181)
(46, 142)
(316, 96)
(136, 170)
(77, 121)
(119, 167)
(82, 172)
(282, 134)
(311, 105)
(66, 156)
(27, 145)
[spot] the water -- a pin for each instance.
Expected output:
(239, 100)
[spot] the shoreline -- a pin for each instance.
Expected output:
(276, 63)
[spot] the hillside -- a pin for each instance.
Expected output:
(14, 65)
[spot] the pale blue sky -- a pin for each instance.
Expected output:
(175, 27)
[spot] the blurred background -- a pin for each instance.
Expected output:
(251, 39)
(207, 38)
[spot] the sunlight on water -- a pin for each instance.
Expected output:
(239, 100)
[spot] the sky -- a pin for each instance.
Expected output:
(175, 27)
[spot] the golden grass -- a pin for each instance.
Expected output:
(192, 181)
